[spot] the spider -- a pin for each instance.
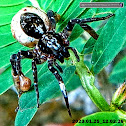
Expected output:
(35, 29)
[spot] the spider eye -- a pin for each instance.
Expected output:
(32, 25)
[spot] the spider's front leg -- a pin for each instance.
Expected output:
(22, 83)
(82, 22)
(60, 80)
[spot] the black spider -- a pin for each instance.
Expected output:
(34, 28)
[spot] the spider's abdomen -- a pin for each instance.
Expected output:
(20, 28)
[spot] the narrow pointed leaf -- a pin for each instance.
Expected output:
(24, 117)
(110, 41)
(118, 74)
(73, 11)
(10, 2)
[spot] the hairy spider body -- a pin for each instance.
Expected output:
(34, 28)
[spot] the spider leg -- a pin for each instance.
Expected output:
(13, 60)
(96, 18)
(19, 94)
(22, 83)
(16, 59)
(75, 53)
(91, 31)
(82, 23)
(58, 66)
(61, 83)
(86, 27)
(34, 68)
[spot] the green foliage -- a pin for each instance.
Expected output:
(111, 40)
(48, 88)
(8, 45)
(75, 34)
(118, 74)
(22, 116)
(87, 81)
(108, 46)
(72, 12)
(7, 3)
(88, 47)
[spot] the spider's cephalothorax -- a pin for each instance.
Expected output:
(34, 28)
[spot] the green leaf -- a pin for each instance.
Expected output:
(10, 2)
(7, 39)
(61, 6)
(93, 12)
(78, 44)
(6, 19)
(118, 74)
(8, 45)
(6, 80)
(88, 47)
(8, 51)
(7, 10)
(44, 4)
(6, 14)
(118, 124)
(23, 116)
(100, 118)
(109, 43)
(77, 30)
(72, 12)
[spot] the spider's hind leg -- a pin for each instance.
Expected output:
(60, 80)
(22, 83)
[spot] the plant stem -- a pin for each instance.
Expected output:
(87, 80)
